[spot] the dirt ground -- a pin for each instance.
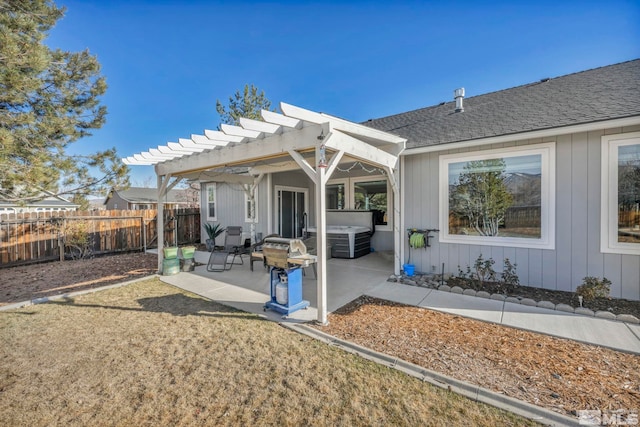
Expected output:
(60, 277)
(613, 305)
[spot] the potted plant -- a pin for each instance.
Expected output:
(213, 231)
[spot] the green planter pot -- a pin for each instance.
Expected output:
(170, 266)
(170, 253)
(188, 252)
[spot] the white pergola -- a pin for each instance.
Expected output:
(296, 139)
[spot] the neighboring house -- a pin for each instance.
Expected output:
(545, 174)
(48, 203)
(140, 198)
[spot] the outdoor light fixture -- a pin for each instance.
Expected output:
(322, 161)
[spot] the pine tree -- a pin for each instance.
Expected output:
(481, 195)
(48, 100)
(247, 103)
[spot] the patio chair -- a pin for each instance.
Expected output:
(233, 248)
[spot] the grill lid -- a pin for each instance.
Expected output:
(278, 249)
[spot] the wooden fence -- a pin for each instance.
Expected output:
(515, 217)
(523, 216)
(628, 217)
(38, 236)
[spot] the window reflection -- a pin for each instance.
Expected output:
(629, 193)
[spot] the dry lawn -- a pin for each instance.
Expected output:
(149, 354)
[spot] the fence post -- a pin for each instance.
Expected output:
(60, 242)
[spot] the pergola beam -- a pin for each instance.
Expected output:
(167, 150)
(178, 148)
(258, 126)
(279, 119)
(238, 131)
(203, 140)
(216, 135)
(212, 176)
(361, 150)
(273, 146)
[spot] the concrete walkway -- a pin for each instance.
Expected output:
(349, 279)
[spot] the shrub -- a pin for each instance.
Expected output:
(509, 276)
(593, 287)
(77, 239)
(464, 274)
(484, 272)
(484, 269)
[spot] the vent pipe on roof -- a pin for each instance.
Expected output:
(458, 95)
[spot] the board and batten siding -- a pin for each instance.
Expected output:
(230, 207)
(577, 234)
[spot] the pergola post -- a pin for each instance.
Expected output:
(250, 191)
(162, 187)
(321, 243)
(394, 177)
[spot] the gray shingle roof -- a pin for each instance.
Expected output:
(599, 94)
(142, 194)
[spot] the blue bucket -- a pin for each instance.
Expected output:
(409, 269)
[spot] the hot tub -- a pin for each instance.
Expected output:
(347, 241)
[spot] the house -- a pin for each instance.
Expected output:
(49, 203)
(575, 138)
(140, 198)
(544, 174)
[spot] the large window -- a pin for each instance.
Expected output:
(210, 201)
(336, 195)
(371, 195)
(362, 193)
(620, 228)
(499, 197)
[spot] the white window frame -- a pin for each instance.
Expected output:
(350, 195)
(347, 190)
(609, 194)
(547, 239)
(247, 209)
(215, 201)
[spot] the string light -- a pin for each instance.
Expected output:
(362, 166)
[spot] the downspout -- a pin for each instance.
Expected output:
(400, 215)
(269, 204)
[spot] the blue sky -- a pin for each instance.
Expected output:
(167, 62)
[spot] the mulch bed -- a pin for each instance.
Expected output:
(559, 374)
(613, 305)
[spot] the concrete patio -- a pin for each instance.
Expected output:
(248, 290)
(348, 279)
